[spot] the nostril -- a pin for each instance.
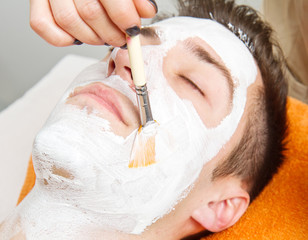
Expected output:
(111, 67)
(129, 71)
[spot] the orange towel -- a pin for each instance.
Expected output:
(281, 210)
(29, 182)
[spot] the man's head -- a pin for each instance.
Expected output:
(220, 104)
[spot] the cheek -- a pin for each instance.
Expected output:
(218, 103)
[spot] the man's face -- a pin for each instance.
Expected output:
(198, 95)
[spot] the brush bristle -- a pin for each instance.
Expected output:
(143, 152)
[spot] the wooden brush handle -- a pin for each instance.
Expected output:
(136, 60)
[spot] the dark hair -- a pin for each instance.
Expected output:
(260, 152)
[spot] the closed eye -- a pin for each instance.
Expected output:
(192, 84)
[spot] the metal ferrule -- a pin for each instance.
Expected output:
(144, 104)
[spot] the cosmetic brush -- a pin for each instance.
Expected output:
(143, 150)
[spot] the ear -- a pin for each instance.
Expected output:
(216, 216)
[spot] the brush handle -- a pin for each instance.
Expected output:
(136, 60)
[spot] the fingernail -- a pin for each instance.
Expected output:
(154, 4)
(124, 46)
(77, 42)
(106, 44)
(133, 31)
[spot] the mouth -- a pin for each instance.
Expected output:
(106, 97)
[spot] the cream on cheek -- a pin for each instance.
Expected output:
(102, 191)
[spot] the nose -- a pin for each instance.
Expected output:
(119, 65)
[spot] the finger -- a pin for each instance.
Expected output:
(93, 13)
(67, 17)
(146, 8)
(42, 22)
(122, 13)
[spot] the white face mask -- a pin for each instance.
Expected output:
(98, 181)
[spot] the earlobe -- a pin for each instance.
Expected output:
(219, 215)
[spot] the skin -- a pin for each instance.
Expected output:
(212, 205)
(94, 22)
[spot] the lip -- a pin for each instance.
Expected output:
(105, 96)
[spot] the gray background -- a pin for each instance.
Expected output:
(25, 58)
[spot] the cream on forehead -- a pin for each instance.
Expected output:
(229, 47)
(102, 190)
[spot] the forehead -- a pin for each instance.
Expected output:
(233, 52)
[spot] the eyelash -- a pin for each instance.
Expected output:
(191, 83)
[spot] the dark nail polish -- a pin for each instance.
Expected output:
(77, 42)
(154, 4)
(124, 46)
(106, 44)
(133, 31)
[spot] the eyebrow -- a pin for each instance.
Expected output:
(149, 32)
(205, 56)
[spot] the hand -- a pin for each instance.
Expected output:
(95, 22)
